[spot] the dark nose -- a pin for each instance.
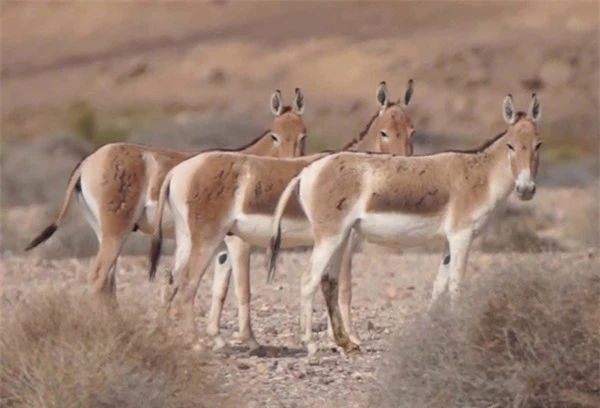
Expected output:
(533, 189)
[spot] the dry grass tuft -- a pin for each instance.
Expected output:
(524, 337)
(61, 350)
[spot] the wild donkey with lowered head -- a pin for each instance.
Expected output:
(391, 199)
(118, 185)
(231, 197)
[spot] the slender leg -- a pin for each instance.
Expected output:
(460, 243)
(102, 276)
(345, 290)
(326, 256)
(440, 285)
(188, 280)
(330, 289)
(240, 262)
(220, 287)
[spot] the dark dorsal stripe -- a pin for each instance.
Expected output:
(364, 133)
(286, 109)
(483, 147)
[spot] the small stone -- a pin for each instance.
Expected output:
(326, 380)
(243, 366)
(313, 362)
(370, 326)
(391, 292)
(356, 376)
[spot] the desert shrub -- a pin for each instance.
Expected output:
(62, 350)
(82, 119)
(524, 337)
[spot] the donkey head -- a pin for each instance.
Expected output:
(523, 144)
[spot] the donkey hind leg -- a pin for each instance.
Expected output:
(345, 291)
(330, 289)
(325, 264)
(220, 287)
(460, 243)
(240, 262)
(440, 285)
(102, 271)
(188, 280)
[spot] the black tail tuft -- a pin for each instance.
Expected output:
(46, 233)
(155, 249)
(274, 251)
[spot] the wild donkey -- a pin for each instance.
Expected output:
(118, 185)
(391, 199)
(217, 196)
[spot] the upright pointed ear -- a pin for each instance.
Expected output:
(508, 110)
(535, 110)
(382, 95)
(298, 105)
(276, 103)
(409, 92)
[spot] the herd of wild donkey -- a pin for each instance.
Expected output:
(223, 202)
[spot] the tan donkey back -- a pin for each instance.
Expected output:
(229, 196)
(118, 186)
(407, 200)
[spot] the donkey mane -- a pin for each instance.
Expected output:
(364, 132)
(285, 109)
(484, 146)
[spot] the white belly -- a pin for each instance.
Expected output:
(147, 219)
(399, 229)
(257, 230)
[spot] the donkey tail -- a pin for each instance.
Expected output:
(275, 242)
(156, 245)
(72, 185)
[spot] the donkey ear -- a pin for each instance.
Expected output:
(535, 110)
(298, 105)
(508, 110)
(276, 103)
(382, 95)
(409, 92)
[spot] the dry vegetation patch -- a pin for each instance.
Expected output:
(59, 349)
(525, 336)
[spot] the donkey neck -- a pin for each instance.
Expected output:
(365, 143)
(497, 165)
(259, 146)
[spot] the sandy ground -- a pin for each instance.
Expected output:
(158, 67)
(388, 290)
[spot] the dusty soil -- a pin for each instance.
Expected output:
(388, 290)
(198, 75)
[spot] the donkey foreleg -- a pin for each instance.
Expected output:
(460, 244)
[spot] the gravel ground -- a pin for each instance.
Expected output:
(388, 290)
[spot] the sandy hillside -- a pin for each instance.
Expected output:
(198, 75)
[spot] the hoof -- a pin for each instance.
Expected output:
(350, 348)
(219, 344)
(354, 339)
(311, 349)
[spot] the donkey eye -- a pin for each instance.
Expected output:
(512, 149)
(274, 137)
(537, 146)
(383, 133)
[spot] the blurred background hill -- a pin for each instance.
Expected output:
(76, 75)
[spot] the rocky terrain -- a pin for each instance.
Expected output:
(199, 75)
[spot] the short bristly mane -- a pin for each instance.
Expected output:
(364, 132)
(285, 109)
(488, 143)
